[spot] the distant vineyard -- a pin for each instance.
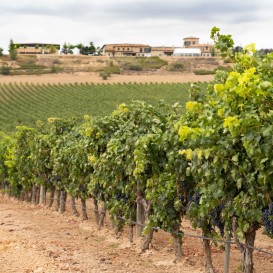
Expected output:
(26, 103)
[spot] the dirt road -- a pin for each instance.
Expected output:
(95, 78)
(34, 239)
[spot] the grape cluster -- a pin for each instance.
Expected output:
(195, 198)
(216, 218)
(120, 196)
(267, 216)
(50, 180)
(181, 198)
(56, 178)
(83, 189)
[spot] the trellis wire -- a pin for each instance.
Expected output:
(177, 233)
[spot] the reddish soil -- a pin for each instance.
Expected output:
(35, 239)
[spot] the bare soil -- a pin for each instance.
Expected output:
(35, 239)
(92, 77)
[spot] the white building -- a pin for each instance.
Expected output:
(187, 52)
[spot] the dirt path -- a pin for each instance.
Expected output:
(34, 239)
(40, 240)
(95, 78)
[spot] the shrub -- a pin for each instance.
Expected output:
(56, 61)
(104, 75)
(144, 62)
(112, 69)
(55, 69)
(32, 66)
(204, 72)
(227, 60)
(111, 63)
(29, 63)
(151, 62)
(177, 66)
(135, 67)
(224, 68)
(5, 70)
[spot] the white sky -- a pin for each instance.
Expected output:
(153, 22)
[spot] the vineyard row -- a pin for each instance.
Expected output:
(23, 103)
(154, 165)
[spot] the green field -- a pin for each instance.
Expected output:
(26, 103)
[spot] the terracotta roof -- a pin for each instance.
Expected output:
(34, 44)
(162, 48)
(190, 38)
(124, 45)
(200, 45)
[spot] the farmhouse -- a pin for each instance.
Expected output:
(190, 47)
(126, 50)
(193, 42)
(37, 48)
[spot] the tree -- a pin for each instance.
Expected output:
(67, 49)
(264, 51)
(87, 50)
(1, 51)
(213, 52)
(52, 49)
(80, 47)
(238, 49)
(12, 50)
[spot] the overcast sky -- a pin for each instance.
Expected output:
(153, 22)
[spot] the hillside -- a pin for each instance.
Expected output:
(46, 64)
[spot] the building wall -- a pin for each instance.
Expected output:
(162, 51)
(138, 50)
(35, 51)
(192, 42)
(126, 50)
(25, 49)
